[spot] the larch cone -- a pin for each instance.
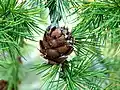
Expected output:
(56, 45)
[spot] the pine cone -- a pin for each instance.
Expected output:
(56, 44)
(3, 85)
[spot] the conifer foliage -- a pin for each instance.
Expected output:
(94, 35)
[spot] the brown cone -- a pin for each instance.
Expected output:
(3, 85)
(56, 45)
